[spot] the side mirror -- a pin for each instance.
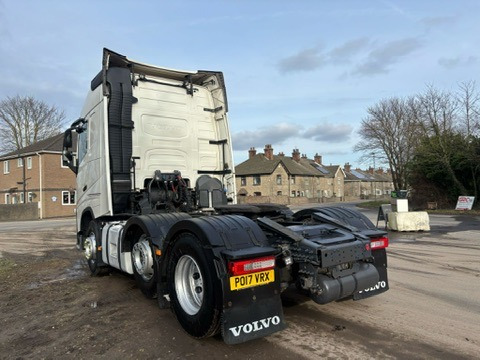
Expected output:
(67, 139)
(68, 158)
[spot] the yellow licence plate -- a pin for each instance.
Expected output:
(254, 279)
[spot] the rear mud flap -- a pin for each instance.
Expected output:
(380, 262)
(251, 313)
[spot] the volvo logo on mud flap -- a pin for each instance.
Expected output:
(380, 285)
(255, 326)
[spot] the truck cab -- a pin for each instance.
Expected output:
(139, 120)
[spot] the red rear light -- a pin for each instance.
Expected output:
(251, 265)
(379, 243)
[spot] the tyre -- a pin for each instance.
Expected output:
(93, 239)
(144, 269)
(194, 288)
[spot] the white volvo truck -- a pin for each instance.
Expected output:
(156, 199)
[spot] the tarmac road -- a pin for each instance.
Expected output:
(432, 310)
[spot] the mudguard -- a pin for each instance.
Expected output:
(247, 313)
(251, 313)
(380, 262)
(155, 226)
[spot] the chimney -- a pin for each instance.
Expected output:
(252, 152)
(347, 167)
(268, 151)
(304, 156)
(281, 154)
(379, 171)
(318, 159)
(370, 170)
(296, 155)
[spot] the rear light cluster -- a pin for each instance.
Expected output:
(242, 267)
(379, 243)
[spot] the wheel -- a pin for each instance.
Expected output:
(194, 288)
(93, 238)
(144, 269)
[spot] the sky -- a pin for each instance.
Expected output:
(299, 74)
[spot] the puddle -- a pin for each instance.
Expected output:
(402, 237)
(404, 240)
(75, 272)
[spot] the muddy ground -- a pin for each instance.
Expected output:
(52, 308)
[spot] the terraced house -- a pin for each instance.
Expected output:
(367, 184)
(36, 174)
(295, 179)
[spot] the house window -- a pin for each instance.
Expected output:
(292, 179)
(22, 197)
(68, 197)
(298, 193)
(30, 196)
(257, 193)
(279, 193)
(29, 162)
(293, 193)
(7, 198)
(14, 199)
(243, 181)
(279, 179)
(62, 164)
(20, 162)
(6, 167)
(256, 180)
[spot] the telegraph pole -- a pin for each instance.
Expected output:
(374, 182)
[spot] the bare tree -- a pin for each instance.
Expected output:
(26, 120)
(390, 132)
(469, 100)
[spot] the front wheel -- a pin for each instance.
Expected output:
(194, 288)
(91, 245)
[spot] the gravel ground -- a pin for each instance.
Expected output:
(53, 308)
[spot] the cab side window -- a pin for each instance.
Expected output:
(82, 143)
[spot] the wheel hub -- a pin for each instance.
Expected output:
(90, 246)
(143, 259)
(189, 285)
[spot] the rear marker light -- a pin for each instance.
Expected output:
(379, 243)
(242, 267)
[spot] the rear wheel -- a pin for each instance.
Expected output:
(193, 287)
(144, 269)
(93, 239)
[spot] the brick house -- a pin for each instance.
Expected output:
(367, 183)
(270, 175)
(35, 174)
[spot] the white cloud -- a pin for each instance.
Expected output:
(330, 133)
(370, 57)
(383, 57)
(274, 134)
(450, 63)
(437, 21)
(306, 60)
